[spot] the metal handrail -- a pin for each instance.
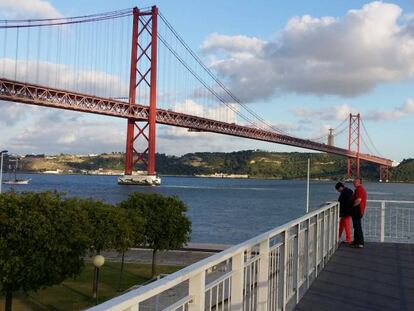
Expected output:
(324, 245)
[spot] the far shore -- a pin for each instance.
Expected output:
(215, 176)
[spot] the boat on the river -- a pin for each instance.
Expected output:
(15, 180)
(139, 179)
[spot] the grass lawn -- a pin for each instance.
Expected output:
(75, 294)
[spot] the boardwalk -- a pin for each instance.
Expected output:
(378, 277)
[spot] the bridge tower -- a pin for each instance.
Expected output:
(331, 137)
(384, 173)
(354, 141)
(140, 141)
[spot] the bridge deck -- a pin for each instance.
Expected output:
(378, 277)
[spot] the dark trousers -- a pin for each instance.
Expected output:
(358, 235)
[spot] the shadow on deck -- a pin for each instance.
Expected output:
(377, 277)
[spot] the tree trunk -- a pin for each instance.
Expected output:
(9, 300)
(154, 263)
(122, 271)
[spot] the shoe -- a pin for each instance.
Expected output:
(346, 242)
(357, 245)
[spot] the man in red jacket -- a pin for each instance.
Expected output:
(358, 210)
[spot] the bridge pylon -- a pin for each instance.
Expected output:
(354, 141)
(140, 140)
(384, 173)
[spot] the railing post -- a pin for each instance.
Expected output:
(237, 282)
(307, 252)
(298, 263)
(382, 228)
(323, 239)
(336, 224)
(263, 277)
(196, 290)
(284, 268)
(316, 243)
(134, 308)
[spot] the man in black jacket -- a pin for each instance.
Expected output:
(345, 211)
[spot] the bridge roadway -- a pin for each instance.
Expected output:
(377, 277)
(56, 98)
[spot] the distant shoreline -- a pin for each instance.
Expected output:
(230, 176)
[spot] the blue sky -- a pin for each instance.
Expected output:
(377, 86)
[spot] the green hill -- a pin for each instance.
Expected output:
(403, 172)
(255, 163)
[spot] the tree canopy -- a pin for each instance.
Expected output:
(39, 245)
(166, 224)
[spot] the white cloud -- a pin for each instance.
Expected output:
(64, 77)
(12, 114)
(341, 112)
(338, 113)
(396, 113)
(55, 131)
(345, 56)
(28, 9)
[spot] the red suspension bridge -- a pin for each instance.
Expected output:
(133, 64)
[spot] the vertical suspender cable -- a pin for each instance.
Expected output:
(17, 53)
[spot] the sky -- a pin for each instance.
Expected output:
(302, 65)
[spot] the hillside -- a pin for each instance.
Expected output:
(403, 172)
(256, 164)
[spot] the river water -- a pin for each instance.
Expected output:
(224, 211)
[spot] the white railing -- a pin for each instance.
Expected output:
(269, 272)
(389, 221)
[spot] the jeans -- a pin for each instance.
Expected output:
(358, 234)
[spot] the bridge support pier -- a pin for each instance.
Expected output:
(143, 63)
(384, 174)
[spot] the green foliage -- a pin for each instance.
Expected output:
(39, 244)
(110, 227)
(403, 172)
(166, 225)
(255, 163)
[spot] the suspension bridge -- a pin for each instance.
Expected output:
(133, 64)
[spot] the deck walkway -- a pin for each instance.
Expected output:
(377, 277)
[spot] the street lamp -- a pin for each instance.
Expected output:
(98, 262)
(1, 167)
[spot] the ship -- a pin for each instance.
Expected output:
(15, 180)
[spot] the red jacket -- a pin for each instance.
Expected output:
(360, 193)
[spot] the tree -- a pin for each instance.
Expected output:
(105, 223)
(42, 241)
(130, 233)
(166, 225)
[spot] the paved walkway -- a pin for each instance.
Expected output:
(377, 277)
(188, 255)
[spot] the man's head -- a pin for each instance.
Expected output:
(339, 187)
(357, 182)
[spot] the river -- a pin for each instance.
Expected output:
(224, 211)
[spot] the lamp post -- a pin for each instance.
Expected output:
(1, 167)
(98, 262)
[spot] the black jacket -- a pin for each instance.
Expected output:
(345, 202)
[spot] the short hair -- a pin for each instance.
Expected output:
(359, 178)
(339, 185)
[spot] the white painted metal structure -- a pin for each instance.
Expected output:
(269, 272)
(389, 221)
